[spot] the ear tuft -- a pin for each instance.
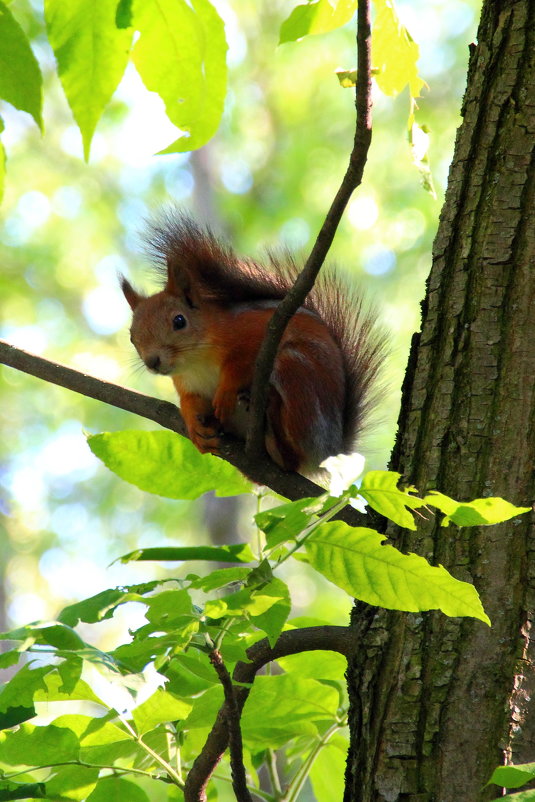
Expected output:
(132, 296)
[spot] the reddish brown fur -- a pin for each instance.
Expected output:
(327, 362)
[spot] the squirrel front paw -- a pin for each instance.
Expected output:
(205, 434)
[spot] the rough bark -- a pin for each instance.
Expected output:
(437, 703)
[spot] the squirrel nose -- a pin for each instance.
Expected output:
(153, 362)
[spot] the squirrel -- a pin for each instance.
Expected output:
(204, 330)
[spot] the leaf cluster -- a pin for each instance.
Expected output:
(153, 699)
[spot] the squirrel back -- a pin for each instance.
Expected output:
(205, 327)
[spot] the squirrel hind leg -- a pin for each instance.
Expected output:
(278, 445)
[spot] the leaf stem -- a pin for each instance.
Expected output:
(299, 779)
(172, 774)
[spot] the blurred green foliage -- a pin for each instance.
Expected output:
(265, 181)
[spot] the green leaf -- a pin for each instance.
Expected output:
(169, 608)
(315, 665)
(273, 619)
(20, 76)
(381, 491)
(160, 708)
(38, 746)
(91, 53)
(190, 673)
(56, 687)
(220, 578)
(9, 658)
(98, 607)
(317, 16)
(480, 512)
(21, 688)
(57, 635)
(181, 55)
(290, 707)
(394, 52)
(123, 15)
(235, 553)
(513, 776)
(15, 715)
(72, 782)
(205, 708)
(115, 789)
(11, 790)
(166, 464)
(327, 771)
(134, 656)
(358, 561)
(100, 739)
(286, 521)
(268, 606)
(2, 170)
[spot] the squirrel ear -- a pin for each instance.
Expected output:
(178, 283)
(130, 293)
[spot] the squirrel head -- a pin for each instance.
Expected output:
(167, 329)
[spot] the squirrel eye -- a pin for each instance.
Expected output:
(179, 322)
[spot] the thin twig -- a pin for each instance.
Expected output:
(307, 639)
(237, 768)
(290, 485)
(290, 304)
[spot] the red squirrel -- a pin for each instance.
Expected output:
(204, 329)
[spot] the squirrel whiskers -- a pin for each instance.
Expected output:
(204, 329)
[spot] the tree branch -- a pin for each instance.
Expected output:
(232, 711)
(307, 639)
(263, 471)
(255, 445)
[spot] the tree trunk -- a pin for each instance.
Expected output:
(437, 703)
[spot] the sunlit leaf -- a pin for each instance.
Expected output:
(290, 707)
(272, 620)
(394, 52)
(181, 55)
(92, 53)
(328, 770)
(159, 708)
(166, 464)
(480, 512)
(315, 665)
(115, 789)
(56, 634)
(381, 491)
(317, 16)
(72, 782)
(20, 76)
(286, 521)
(98, 607)
(220, 578)
(358, 561)
(513, 776)
(37, 746)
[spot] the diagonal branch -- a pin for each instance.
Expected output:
(290, 485)
(305, 281)
(307, 639)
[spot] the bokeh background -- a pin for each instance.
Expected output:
(265, 181)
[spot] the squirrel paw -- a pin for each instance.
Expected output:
(205, 434)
